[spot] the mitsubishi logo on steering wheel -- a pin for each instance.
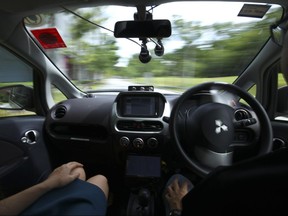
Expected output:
(220, 126)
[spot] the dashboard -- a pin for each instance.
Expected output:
(129, 129)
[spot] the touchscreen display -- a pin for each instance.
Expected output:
(143, 166)
(139, 106)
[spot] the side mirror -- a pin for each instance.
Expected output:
(142, 29)
(16, 97)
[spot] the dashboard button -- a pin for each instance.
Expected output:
(138, 143)
(152, 142)
(124, 141)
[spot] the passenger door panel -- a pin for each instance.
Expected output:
(24, 158)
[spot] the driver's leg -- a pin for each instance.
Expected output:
(256, 186)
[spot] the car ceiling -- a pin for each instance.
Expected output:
(34, 6)
(16, 10)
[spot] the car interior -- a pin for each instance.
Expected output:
(79, 82)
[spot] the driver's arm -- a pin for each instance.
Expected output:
(61, 176)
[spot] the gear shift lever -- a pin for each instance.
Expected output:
(144, 197)
(141, 203)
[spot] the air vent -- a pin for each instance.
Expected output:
(242, 114)
(60, 112)
(140, 125)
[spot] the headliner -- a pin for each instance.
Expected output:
(35, 6)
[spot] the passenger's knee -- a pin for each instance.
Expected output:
(102, 182)
(98, 179)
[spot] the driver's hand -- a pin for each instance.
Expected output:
(175, 192)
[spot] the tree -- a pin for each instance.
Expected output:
(220, 49)
(94, 51)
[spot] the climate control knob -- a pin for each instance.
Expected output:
(152, 142)
(138, 143)
(124, 141)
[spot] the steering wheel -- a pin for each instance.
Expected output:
(207, 135)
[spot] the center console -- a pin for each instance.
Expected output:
(139, 135)
(139, 130)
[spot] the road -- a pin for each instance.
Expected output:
(116, 83)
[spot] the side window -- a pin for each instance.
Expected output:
(252, 90)
(282, 102)
(16, 85)
(57, 94)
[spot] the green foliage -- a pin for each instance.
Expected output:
(226, 51)
(180, 83)
(81, 27)
(93, 51)
(214, 50)
(281, 81)
(97, 58)
(138, 69)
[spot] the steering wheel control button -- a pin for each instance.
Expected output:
(124, 142)
(241, 137)
(152, 142)
(242, 114)
(138, 143)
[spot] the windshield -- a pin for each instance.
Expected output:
(210, 41)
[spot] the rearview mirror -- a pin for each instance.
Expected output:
(142, 29)
(16, 97)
